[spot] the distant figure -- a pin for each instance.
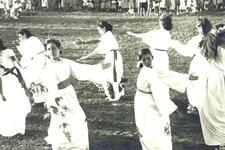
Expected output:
(16, 9)
(131, 10)
(143, 7)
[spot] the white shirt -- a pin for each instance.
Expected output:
(149, 81)
(107, 43)
(159, 39)
(29, 49)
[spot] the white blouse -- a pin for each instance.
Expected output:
(148, 81)
(107, 43)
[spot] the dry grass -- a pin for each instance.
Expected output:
(111, 126)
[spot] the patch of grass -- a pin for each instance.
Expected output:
(111, 126)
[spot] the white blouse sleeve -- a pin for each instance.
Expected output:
(163, 103)
(50, 82)
(87, 72)
(190, 48)
(10, 53)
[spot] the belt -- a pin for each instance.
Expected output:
(65, 83)
(145, 92)
(114, 65)
(163, 50)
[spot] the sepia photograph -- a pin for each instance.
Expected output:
(112, 74)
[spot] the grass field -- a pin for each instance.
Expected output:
(111, 125)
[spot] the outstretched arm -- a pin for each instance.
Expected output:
(184, 49)
(81, 41)
(89, 55)
(138, 35)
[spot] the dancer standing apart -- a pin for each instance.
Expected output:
(112, 65)
(152, 110)
(68, 126)
(14, 103)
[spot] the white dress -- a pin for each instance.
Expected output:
(159, 42)
(108, 46)
(32, 60)
(68, 127)
(212, 110)
(194, 86)
(152, 112)
(14, 110)
(206, 92)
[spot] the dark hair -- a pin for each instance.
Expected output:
(105, 24)
(205, 24)
(25, 32)
(209, 47)
(220, 34)
(166, 21)
(2, 47)
(219, 25)
(54, 41)
(141, 53)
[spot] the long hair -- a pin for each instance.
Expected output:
(205, 24)
(209, 47)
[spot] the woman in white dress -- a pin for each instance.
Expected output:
(159, 41)
(68, 126)
(211, 110)
(112, 65)
(191, 49)
(14, 103)
(205, 86)
(152, 110)
(31, 48)
(33, 58)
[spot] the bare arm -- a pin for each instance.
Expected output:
(80, 41)
(89, 55)
(138, 35)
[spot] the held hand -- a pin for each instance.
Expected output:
(82, 58)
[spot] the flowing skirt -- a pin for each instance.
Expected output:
(153, 128)
(212, 112)
(68, 128)
(14, 110)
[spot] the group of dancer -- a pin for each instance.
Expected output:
(42, 75)
(204, 84)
